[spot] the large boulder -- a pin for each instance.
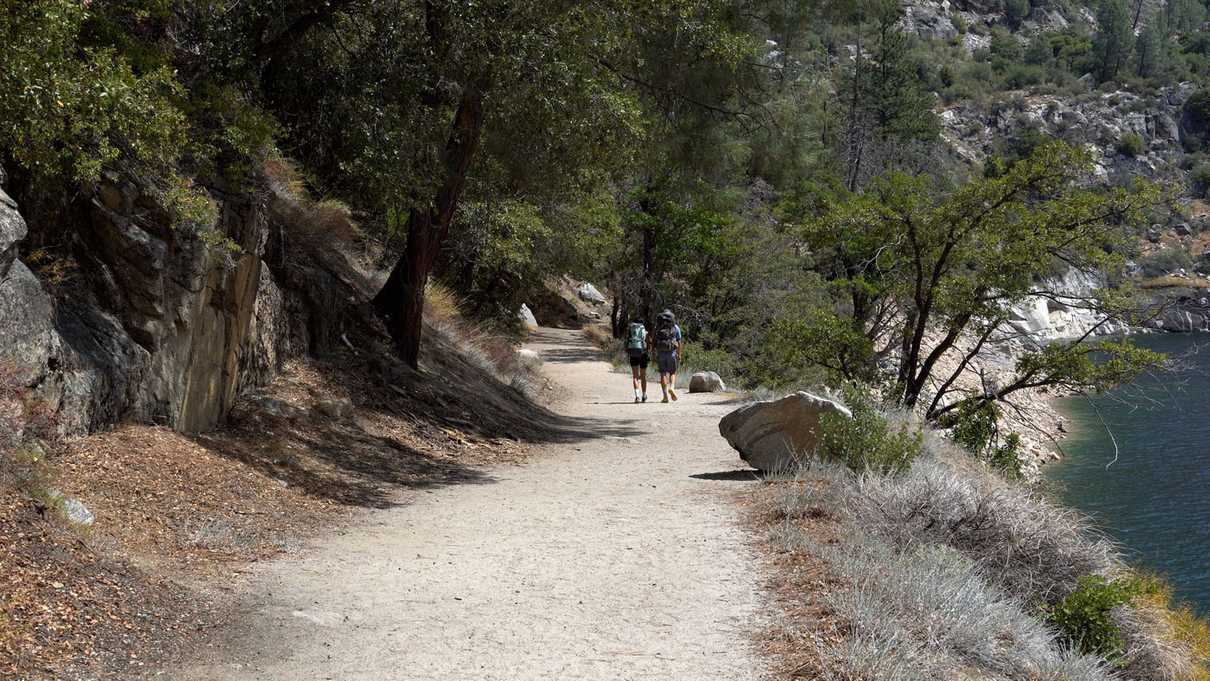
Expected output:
(589, 294)
(12, 230)
(777, 435)
(706, 382)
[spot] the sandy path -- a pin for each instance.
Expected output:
(604, 559)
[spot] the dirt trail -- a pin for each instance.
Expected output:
(604, 559)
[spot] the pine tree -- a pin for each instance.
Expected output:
(1114, 37)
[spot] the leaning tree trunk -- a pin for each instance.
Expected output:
(400, 303)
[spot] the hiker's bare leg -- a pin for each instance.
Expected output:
(643, 379)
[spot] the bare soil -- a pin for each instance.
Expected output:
(616, 552)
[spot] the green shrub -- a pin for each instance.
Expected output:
(1085, 617)
(1130, 144)
(975, 427)
(1200, 176)
(869, 442)
(1164, 261)
(698, 358)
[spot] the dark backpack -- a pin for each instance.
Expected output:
(665, 337)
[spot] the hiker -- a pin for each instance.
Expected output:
(669, 345)
(636, 347)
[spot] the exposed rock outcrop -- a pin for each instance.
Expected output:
(158, 326)
(589, 294)
(1097, 120)
(777, 435)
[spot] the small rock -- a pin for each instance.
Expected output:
(706, 382)
(589, 293)
(279, 408)
(335, 408)
(72, 510)
(1183, 230)
(77, 513)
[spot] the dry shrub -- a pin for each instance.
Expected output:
(948, 571)
(494, 353)
(1166, 640)
(316, 221)
(27, 434)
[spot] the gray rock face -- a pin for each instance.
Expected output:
(1096, 122)
(706, 382)
(158, 327)
(778, 435)
(589, 294)
(12, 231)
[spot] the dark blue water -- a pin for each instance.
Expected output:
(1155, 499)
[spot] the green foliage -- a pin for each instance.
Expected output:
(1200, 176)
(869, 441)
(1165, 261)
(957, 258)
(1085, 617)
(1016, 11)
(1130, 144)
(1114, 38)
(976, 427)
(1197, 121)
(69, 111)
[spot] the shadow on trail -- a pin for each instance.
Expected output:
(411, 430)
(571, 355)
(738, 475)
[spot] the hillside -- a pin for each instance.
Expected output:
(267, 270)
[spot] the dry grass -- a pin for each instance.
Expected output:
(1175, 282)
(315, 220)
(493, 352)
(944, 572)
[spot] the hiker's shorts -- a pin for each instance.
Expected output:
(639, 359)
(667, 362)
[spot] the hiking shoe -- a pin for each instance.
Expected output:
(636, 400)
(665, 400)
(672, 393)
(644, 397)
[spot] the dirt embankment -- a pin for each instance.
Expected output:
(179, 519)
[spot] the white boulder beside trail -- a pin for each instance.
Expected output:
(589, 294)
(776, 435)
(527, 317)
(706, 382)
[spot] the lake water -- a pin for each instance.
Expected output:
(1155, 499)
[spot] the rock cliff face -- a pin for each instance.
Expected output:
(157, 326)
(1097, 120)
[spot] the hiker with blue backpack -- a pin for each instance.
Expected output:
(669, 345)
(636, 347)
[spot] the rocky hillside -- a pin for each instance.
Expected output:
(151, 324)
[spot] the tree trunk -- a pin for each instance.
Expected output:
(648, 294)
(400, 303)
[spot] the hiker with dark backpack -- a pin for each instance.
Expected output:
(669, 345)
(636, 347)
